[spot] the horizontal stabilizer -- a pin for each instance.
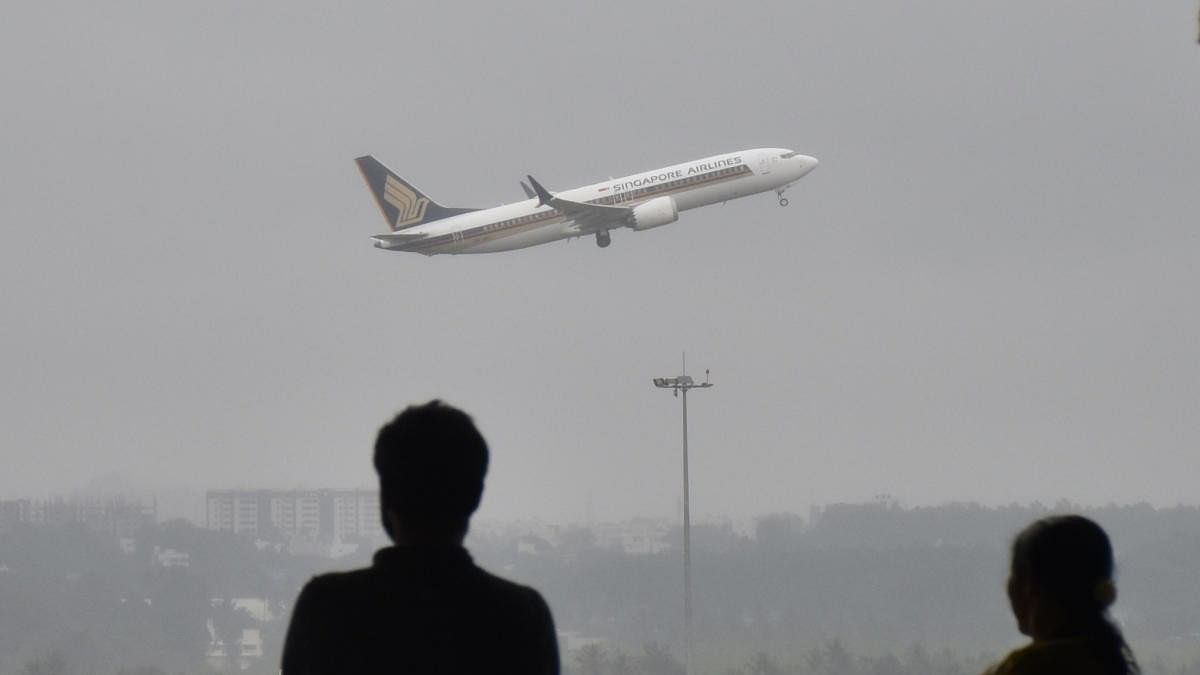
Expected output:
(395, 239)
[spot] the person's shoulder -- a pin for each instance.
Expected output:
(1028, 660)
(348, 577)
(1016, 662)
(501, 587)
(336, 584)
(1048, 657)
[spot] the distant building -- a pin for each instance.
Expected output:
(118, 516)
(13, 511)
(169, 557)
(571, 640)
(315, 516)
(533, 545)
(237, 647)
(250, 647)
(258, 609)
(640, 536)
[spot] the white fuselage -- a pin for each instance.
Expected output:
(691, 184)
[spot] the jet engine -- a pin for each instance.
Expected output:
(655, 213)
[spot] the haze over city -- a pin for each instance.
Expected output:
(985, 293)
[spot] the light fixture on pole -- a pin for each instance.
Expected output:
(684, 383)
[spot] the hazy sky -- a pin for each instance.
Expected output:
(986, 291)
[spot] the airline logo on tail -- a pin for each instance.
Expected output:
(411, 208)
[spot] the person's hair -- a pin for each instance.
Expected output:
(431, 462)
(1069, 560)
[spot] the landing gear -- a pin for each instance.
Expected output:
(782, 200)
(603, 239)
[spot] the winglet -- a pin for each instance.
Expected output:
(529, 194)
(543, 195)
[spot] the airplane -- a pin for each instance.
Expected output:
(640, 202)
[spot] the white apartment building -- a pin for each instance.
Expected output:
(325, 515)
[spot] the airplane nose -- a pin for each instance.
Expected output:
(809, 163)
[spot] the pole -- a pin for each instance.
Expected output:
(683, 383)
(687, 550)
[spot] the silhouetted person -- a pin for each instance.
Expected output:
(1060, 587)
(423, 606)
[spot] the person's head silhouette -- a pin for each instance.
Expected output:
(1061, 586)
(423, 605)
(431, 462)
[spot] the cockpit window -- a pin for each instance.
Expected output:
(789, 154)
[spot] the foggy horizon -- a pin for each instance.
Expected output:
(188, 502)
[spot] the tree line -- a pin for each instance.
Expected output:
(871, 580)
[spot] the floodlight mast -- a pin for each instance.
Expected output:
(684, 383)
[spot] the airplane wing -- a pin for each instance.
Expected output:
(587, 217)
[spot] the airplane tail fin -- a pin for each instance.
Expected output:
(402, 204)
